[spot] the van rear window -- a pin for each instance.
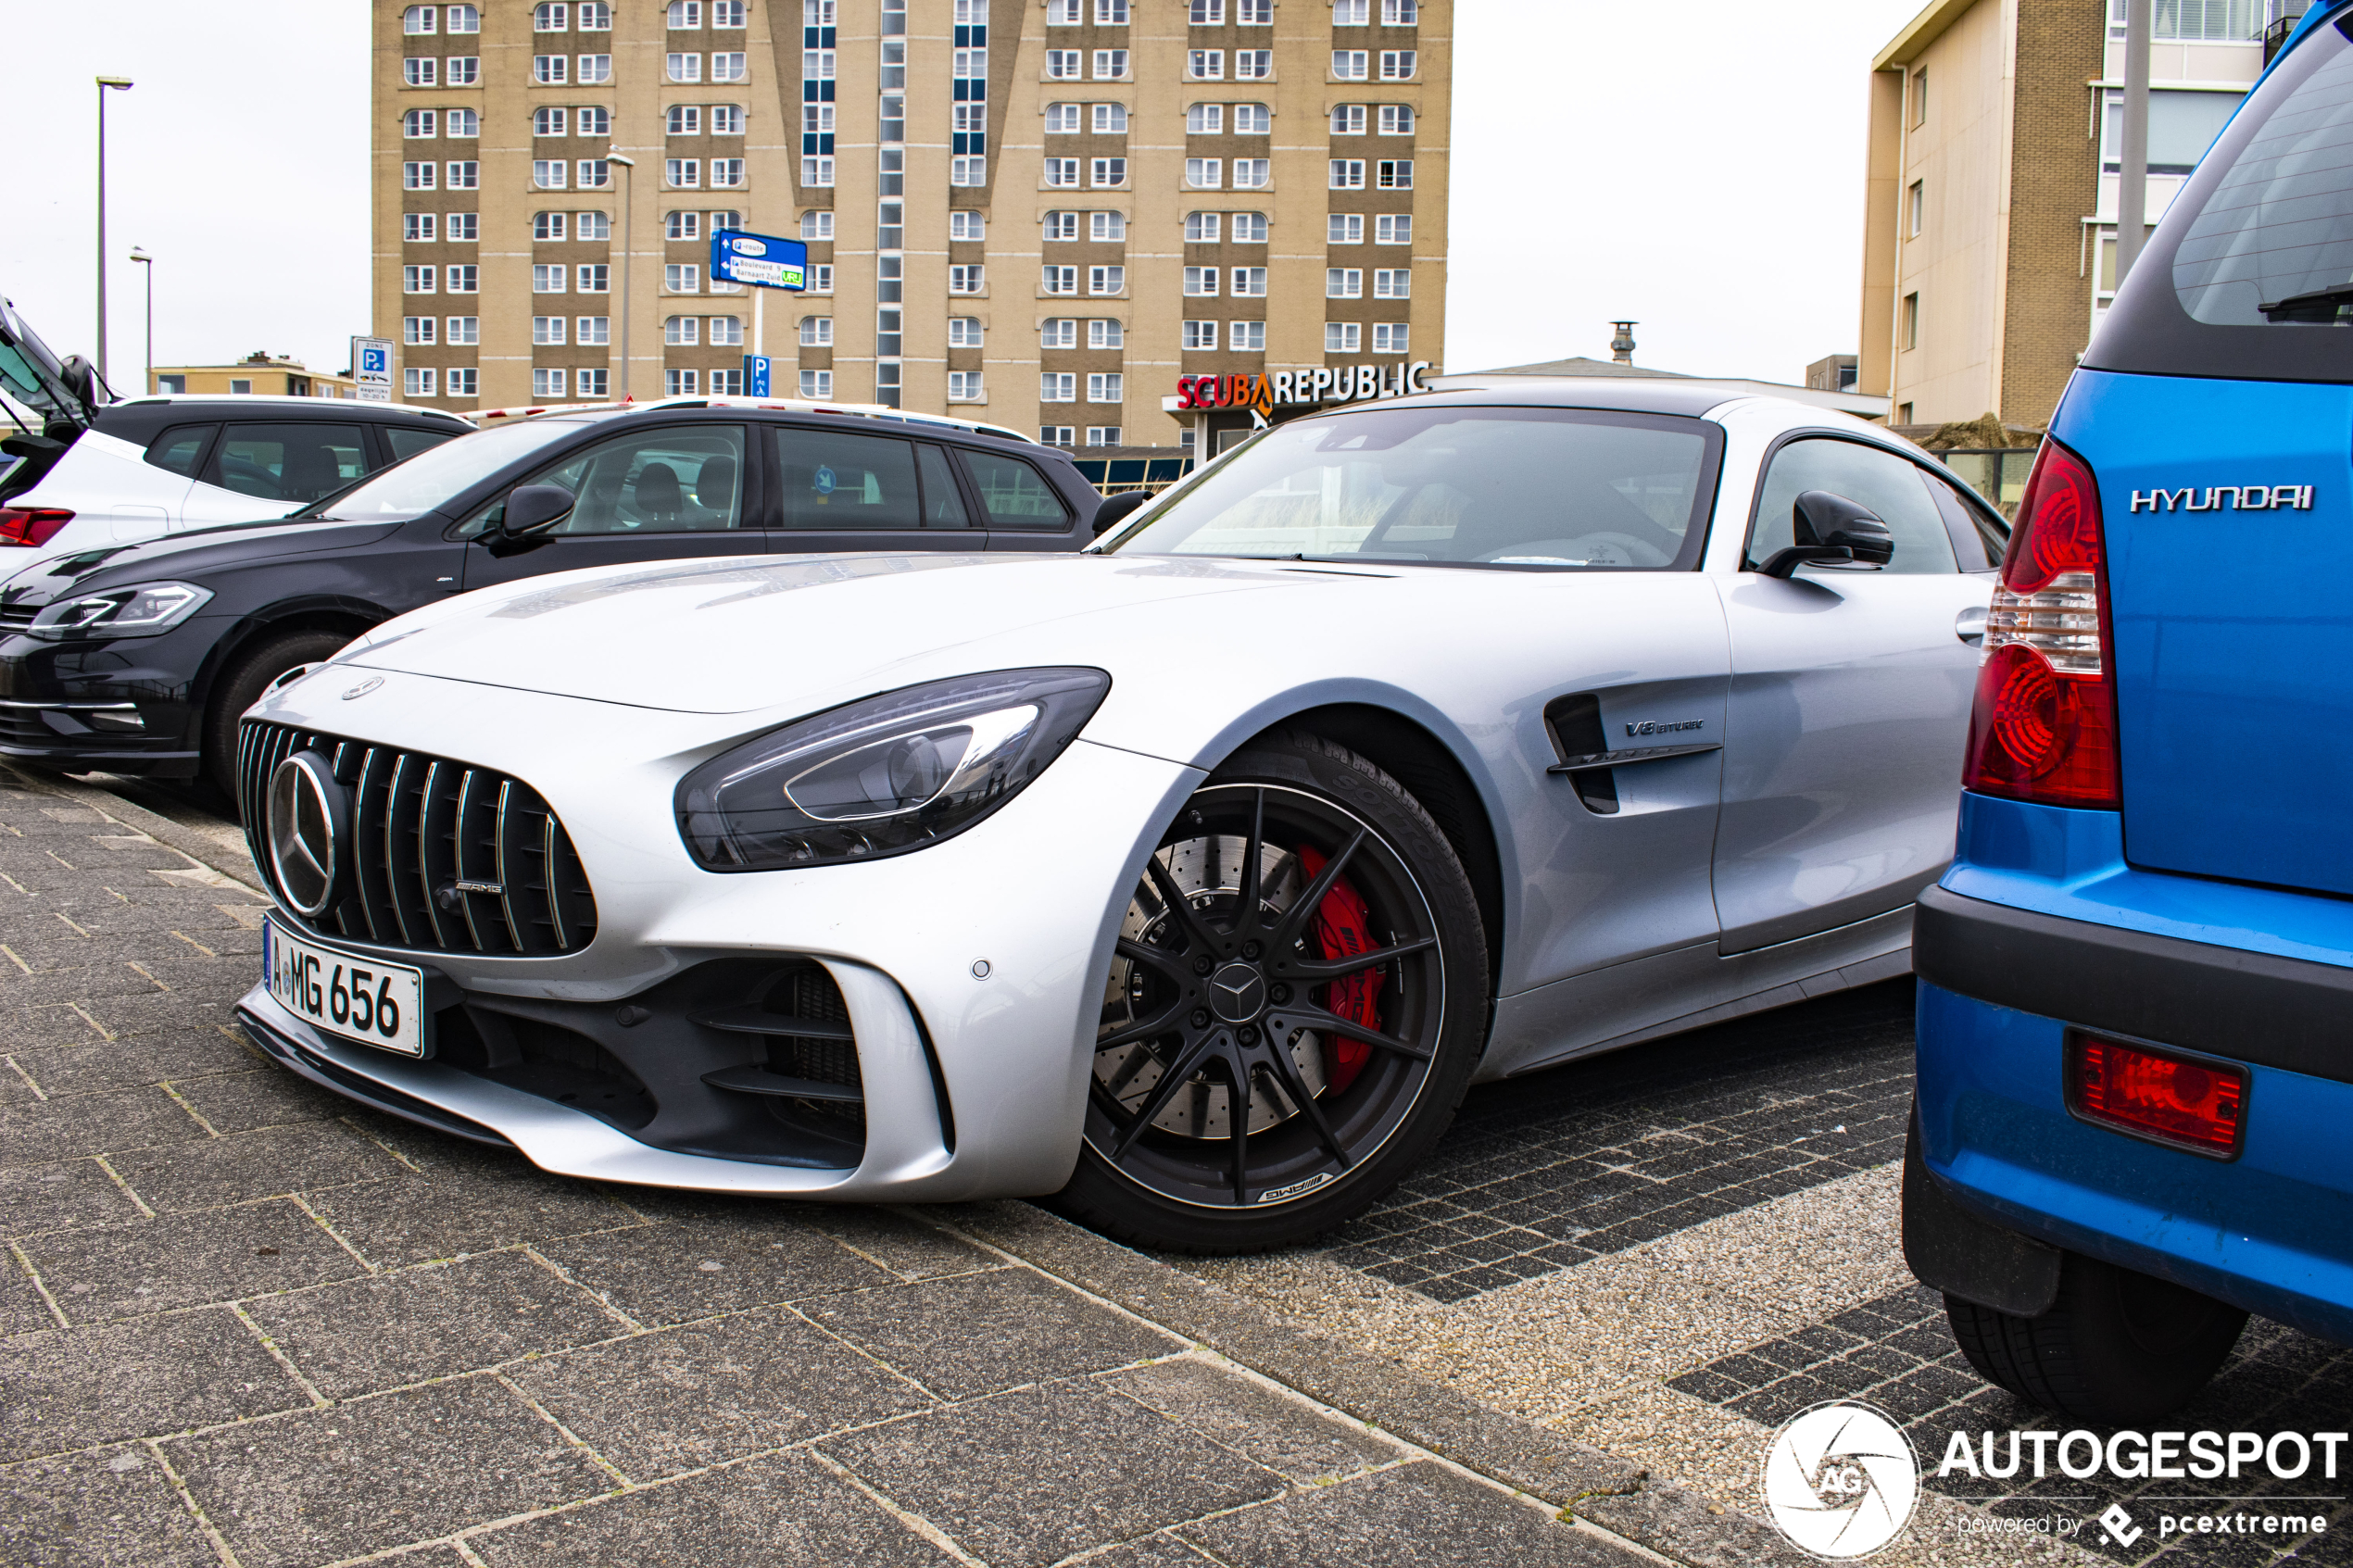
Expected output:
(2253, 265)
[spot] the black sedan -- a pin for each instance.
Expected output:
(138, 659)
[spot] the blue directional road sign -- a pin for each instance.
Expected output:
(764, 261)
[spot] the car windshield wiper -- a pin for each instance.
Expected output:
(2318, 305)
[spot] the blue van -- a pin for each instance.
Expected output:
(2135, 1115)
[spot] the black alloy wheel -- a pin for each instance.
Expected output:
(1296, 1000)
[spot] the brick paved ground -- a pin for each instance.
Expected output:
(242, 1323)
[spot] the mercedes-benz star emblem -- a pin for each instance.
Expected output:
(307, 814)
(364, 687)
(1237, 993)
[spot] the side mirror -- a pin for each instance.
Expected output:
(1116, 509)
(1827, 527)
(531, 510)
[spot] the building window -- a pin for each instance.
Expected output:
(464, 18)
(1919, 98)
(1103, 435)
(682, 278)
(1392, 285)
(545, 382)
(1396, 119)
(1205, 119)
(592, 331)
(682, 226)
(1395, 174)
(817, 226)
(418, 124)
(725, 332)
(1249, 283)
(1062, 172)
(816, 65)
(550, 19)
(465, 176)
(963, 332)
(595, 68)
(816, 332)
(1056, 435)
(685, 16)
(964, 279)
(683, 120)
(1352, 13)
(727, 173)
(593, 121)
(1205, 65)
(415, 381)
(1205, 173)
(1207, 13)
(1904, 414)
(1063, 13)
(1245, 337)
(420, 18)
(1389, 337)
(1061, 120)
(595, 17)
(1060, 332)
(1253, 120)
(1916, 203)
(417, 226)
(1111, 65)
(1200, 335)
(1348, 120)
(1061, 226)
(1397, 65)
(464, 382)
(1394, 229)
(239, 388)
(550, 70)
(592, 279)
(595, 174)
(1058, 386)
(682, 331)
(462, 330)
(463, 124)
(1108, 172)
(816, 383)
(1111, 13)
(548, 123)
(1201, 281)
(816, 172)
(462, 228)
(1401, 13)
(417, 330)
(1250, 227)
(727, 15)
(681, 174)
(1345, 229)
(547, 225)
(737, 68)
(547, 280)
(1063, 65)
(1348, 174)
(1111, 119)
(1352, 65)
(1342, 337)
(1254, 173)
(680, 383)
(685, 68)
(1058, 280)
(1106, 280)
(820, 279)
(964, 386)
(1343, 283)
(417, 176)
(1254, 13)
(1200, 228)
(548, 173)
(727, 384)
(418, 280)
(1911, 321)
(1253, 65)
(1104, 332)
(963, 225)
(727, 120)
(1107, 228)
(462, 70)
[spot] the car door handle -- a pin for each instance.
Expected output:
(1970, 625)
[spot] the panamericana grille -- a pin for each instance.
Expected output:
(16, 617)
(419, 826)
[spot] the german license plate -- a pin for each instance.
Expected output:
(375, 1003)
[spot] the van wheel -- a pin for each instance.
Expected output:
(241, 687)
(2115, 1348)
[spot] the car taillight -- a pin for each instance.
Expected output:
(2044, 725)
(2199, 1105)
(31, 525)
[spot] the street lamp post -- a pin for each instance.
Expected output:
(628, 190)
(149, 262)
(106, 83)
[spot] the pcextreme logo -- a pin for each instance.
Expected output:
(1841, 1480)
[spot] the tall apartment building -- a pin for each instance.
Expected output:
(1991, 196)
(1041, 213)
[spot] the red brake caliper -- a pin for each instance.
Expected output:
(1340, 932)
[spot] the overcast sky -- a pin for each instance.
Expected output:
(1697, 167)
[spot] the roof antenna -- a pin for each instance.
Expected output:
(1621, 347)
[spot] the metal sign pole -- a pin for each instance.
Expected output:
(2132, 182)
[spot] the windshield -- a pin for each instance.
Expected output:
(1558, 488)
(430, 478)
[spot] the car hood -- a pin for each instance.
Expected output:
(193, 557)
(734, 636)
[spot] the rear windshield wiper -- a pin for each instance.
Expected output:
(2319, 305)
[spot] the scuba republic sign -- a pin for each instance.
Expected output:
(1331, 384)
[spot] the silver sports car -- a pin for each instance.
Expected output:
(1191, 879)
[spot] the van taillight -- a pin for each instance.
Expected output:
(2044, 727)
(2199, 1105)
(31, 525)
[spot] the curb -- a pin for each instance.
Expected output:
(163, 830)
(1665, 1518)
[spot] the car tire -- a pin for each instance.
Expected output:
(241, 687)
(1374, 1062)
(2117, 1347)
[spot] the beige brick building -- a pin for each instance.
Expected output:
(1990, 217)
(1040, 213)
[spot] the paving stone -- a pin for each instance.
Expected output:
(672, 1273)
(258, 1164)
(54, 1197)
(978, 1332)
(1163, 1551)
(709, 1392)
(781, 1509)
(1034, 1475)
(64, 1389)
(21, 1308)
(92, 1065)
(61, 1129)
(359, 1477)
(185, 1261)
(378, 1333)
(1279, 1433)
(907, 1248)
(111, 1509)
(1404, 1518)
(412, 1219)
(268, 1097)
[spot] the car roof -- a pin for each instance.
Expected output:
(280, 403)
(1632, 394)
(483, 416)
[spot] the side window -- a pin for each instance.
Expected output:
(407, 443)
(180, 449)
(1980, 538)
(830, 480)
(295, 463)
(943, 504)
(1871, 476)
(1014, 494)
(685, 479)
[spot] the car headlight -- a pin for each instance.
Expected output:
(141, 611)
(885, 774)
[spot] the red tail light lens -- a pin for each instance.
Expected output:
(2043, 727)
(2198, 1105)
(31, 525)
